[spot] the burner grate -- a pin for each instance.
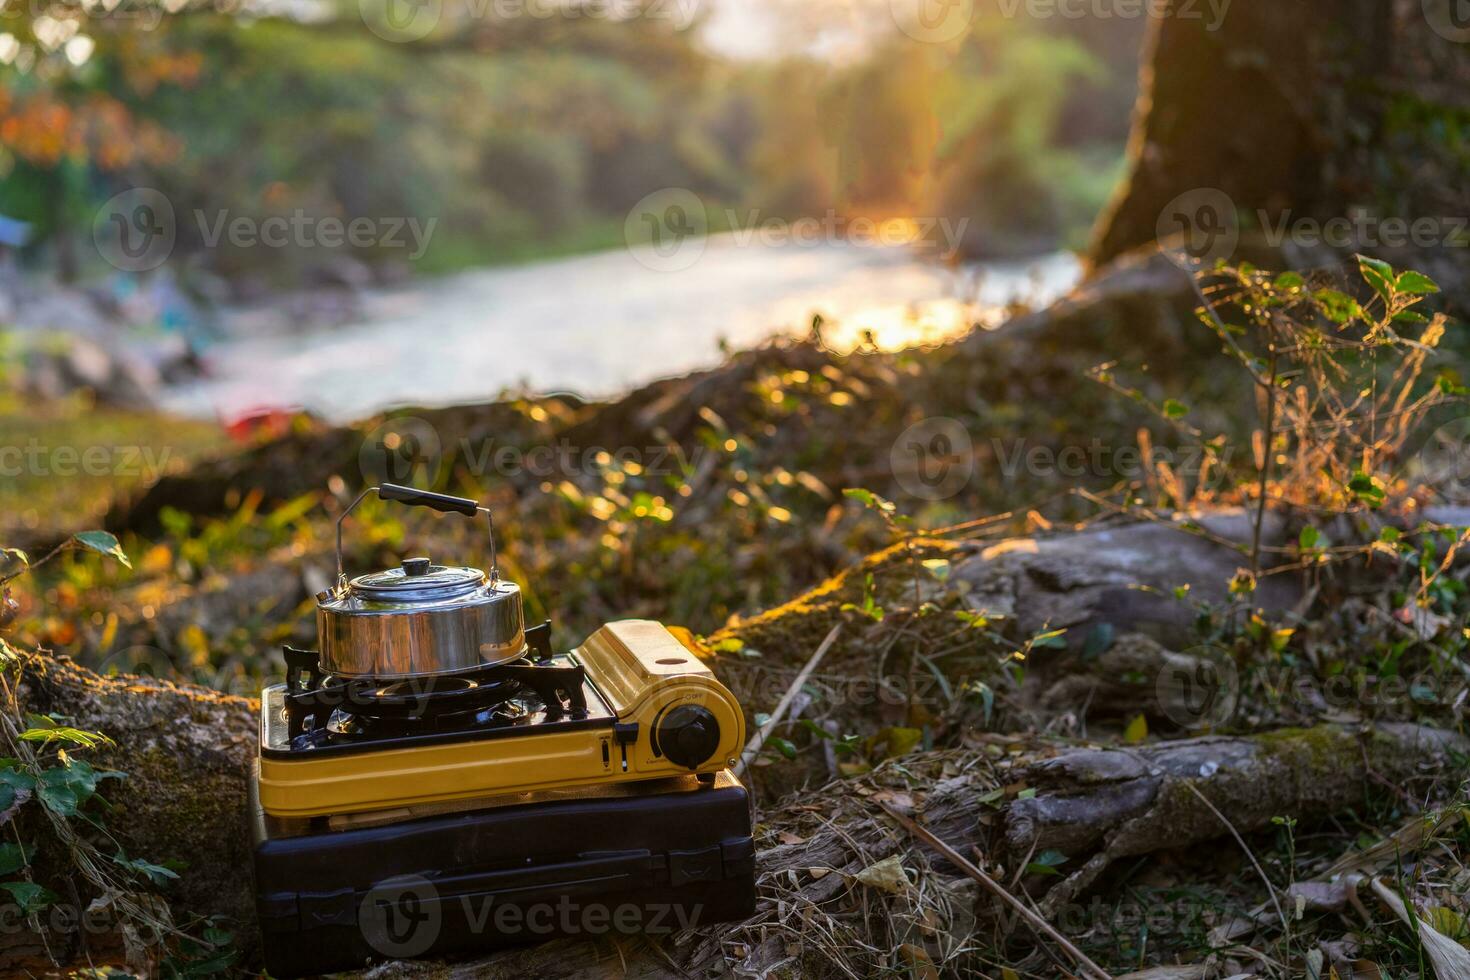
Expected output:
(321, 708)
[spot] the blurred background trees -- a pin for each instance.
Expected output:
(530, 137)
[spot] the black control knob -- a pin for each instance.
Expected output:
(687, 735)
(414, 567)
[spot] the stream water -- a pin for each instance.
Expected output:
(603, 323)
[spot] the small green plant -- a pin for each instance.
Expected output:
(52, 804)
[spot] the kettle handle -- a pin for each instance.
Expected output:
(414, 497)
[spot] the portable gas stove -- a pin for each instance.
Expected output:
(435, 778)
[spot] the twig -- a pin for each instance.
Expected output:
(964, 864)
(1270, 888)
(1266, 449)
(753, 747)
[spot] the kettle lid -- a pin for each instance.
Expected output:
(418, 580)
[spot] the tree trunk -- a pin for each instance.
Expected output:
(1308, 109)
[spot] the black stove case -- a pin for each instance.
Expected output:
(644, 858)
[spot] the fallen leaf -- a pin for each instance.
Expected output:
(787, 837)
(1324, 896)
(1136, 731)
(899, 801)
(918, 961)
(1451, 961)
(887, 875)
(893, 741)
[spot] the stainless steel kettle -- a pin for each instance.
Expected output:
(420, 619)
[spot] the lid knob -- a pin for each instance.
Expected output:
(414, 567)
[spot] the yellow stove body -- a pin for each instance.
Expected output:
(639, 669)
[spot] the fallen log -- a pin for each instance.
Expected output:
(185, 752)
(1121, 802)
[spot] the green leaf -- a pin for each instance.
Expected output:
(66, 789)
(938, 567)
(12, 858)
(1339, 307)
(30, 896)
(1307, 540)
(155, 873)
(15, 779)
(981, 691)
(1415, 284)
(993, 797)
(1174, 409)
(781, 745)
(1379, 275)
(1136, 731)
(806, 724)
(1047, 862)
(869, 499)
(1368, 489)
(1098, 641)
(60, 733)
(104, 543)
(1050, 640)
(1289, 280)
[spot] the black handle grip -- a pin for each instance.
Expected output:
(441, 502)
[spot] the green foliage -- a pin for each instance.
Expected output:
(50, 802)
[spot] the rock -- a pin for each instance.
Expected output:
(61, 309)
(56, 366)
(1077, 580)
